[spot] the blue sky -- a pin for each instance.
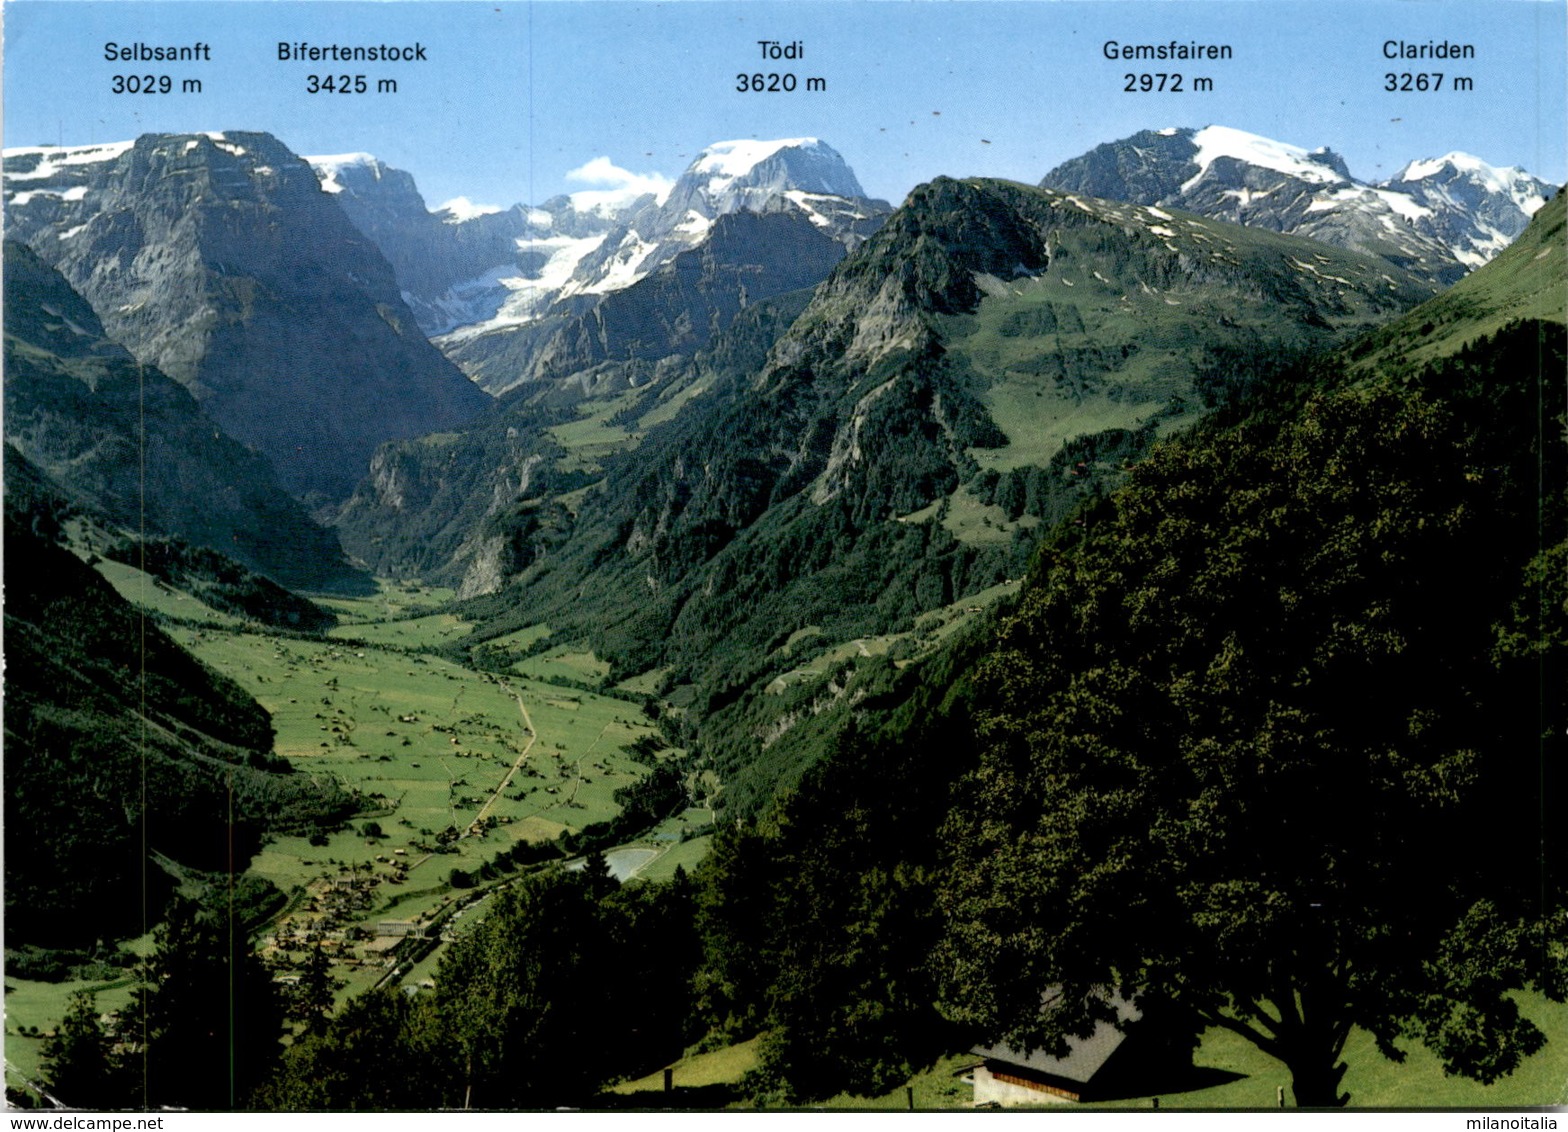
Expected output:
(517, 95)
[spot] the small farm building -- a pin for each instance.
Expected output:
(1115, 1060)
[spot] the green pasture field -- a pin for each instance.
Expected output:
(30, 1004)
(1080, 324)
(939, 624)
(393, 601)
(924, 515)
(672, 827)
(142, 589)
(671, 402)
(570, 661)
(683, 854)
(980, 524)
(719, 1067)
(591, 436)
(430, 631)
(520, 638)
(426, 743)
(644, 683)
(798, 639)
(931, 628)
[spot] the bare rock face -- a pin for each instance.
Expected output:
(219, 259)
(447, 264)
(125, 442)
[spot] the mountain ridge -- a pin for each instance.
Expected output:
(802, 178)
(992, 356)
(1438, 217)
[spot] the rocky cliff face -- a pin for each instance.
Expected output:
(448, 264)
(219, 259)
(126, 443)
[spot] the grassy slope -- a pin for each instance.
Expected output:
(1077, 349)
(1527, 280)
(1372, 1081)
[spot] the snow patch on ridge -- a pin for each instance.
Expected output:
(459, 209)
(328, 166)
(1403, 204)
(1215, 142)
(51, 159)
(807, 203)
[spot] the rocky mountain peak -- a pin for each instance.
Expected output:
(1529, 193)
(578, 268)
(732, 172)
(218, 258)
(787, 174)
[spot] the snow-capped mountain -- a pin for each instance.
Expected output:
(1437, 218)
(790, 174)
(804, 176)
(1476, 208)
(729, 176)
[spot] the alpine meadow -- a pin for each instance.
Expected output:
(732, 642)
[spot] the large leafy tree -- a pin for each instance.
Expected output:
(570, 981)
(818, 923)
(519, 999)
(1268, 741)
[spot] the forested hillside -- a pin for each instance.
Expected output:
(993, 356)
(1225, 756)
(121, 748)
